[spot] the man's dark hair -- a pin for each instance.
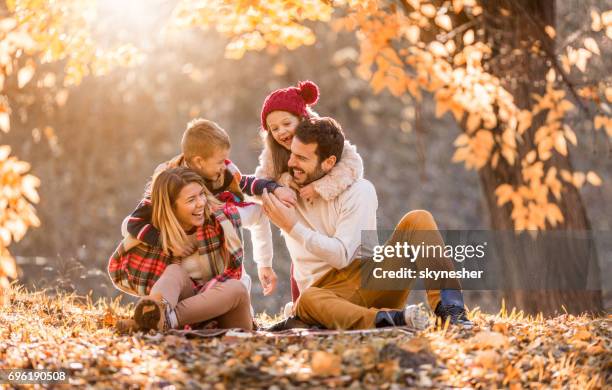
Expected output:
(326, 133)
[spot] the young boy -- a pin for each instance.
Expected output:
(205, 149)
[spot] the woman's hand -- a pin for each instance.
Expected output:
(267, 278)
(286, 195)
(308, 193)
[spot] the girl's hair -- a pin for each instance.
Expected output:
(280, 155)
(167, 186)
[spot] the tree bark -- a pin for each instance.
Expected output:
(523, 75)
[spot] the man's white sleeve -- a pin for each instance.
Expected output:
(357, 214)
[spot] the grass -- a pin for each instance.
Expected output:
(507, 349)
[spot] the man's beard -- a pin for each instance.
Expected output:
(310, 177)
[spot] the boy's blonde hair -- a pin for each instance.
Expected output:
(202, 137)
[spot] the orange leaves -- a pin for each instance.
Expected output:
(444, 21)
(474, 151)
(326, 364)
(254, 25)
(504, 193)
(17, 190)
(591, 45)
(468, 37)
(604, 122)
(428, 10)
(25, 74)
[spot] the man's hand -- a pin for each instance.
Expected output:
(267, 278)
(188, 248)
(286, 195)
(308, 193)
(282, 216)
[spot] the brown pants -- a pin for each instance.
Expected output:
(337, 300)
(226, 302)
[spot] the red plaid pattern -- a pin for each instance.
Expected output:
(135, 271)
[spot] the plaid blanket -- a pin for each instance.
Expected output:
(135, 271)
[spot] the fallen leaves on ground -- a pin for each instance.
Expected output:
(72, 333)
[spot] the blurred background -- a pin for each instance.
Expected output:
(94, 146)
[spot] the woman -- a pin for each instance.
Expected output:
(204, 286)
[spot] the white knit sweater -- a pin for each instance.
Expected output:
(348, 169)
(328, 233)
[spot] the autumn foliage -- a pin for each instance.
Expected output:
(413, 47)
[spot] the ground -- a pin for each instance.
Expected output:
(66, 331)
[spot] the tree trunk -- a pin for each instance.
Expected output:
(523, 75)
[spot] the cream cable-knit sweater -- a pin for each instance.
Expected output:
(348, 169)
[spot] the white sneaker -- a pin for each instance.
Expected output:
(288, 310)
(416, 317)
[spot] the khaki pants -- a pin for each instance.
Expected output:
(337, 300)
(226, 302)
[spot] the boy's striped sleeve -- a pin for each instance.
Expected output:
(140, 224)
(251, 185)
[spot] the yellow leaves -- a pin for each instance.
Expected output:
(608, 93)
(25, 74)
(553, 214)
(326, 364)
(17, 190)
(553, 183)
(596, 24)
(560, 144)
(602, 121)
(412, 33)
(468, 37)
(438, 49)
(551, 75)
(476, 151)
(570, 135)
(428, 10)
(591, 45)
(578, 179)
(462, 140)
(593, 178)
(524, 121)
(8, 267)
(473, 122)
(550, 31)
(582, 58)
(488, 359)
(269, 23)
(5, 121)
(444, 21)
(458, 6)
(484, 340)
(504, 194)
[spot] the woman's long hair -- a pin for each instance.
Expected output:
(166, 187)
(280, 155)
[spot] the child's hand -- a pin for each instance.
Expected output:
(267, 278)
(308, 193)
(286, 195)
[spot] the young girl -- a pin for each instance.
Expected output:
(282, 111)
(204, 286)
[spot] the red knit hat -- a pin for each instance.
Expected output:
(292, 99)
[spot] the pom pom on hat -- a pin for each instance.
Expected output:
(294, 100)
(309, 92)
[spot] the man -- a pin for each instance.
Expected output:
(324, 239)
